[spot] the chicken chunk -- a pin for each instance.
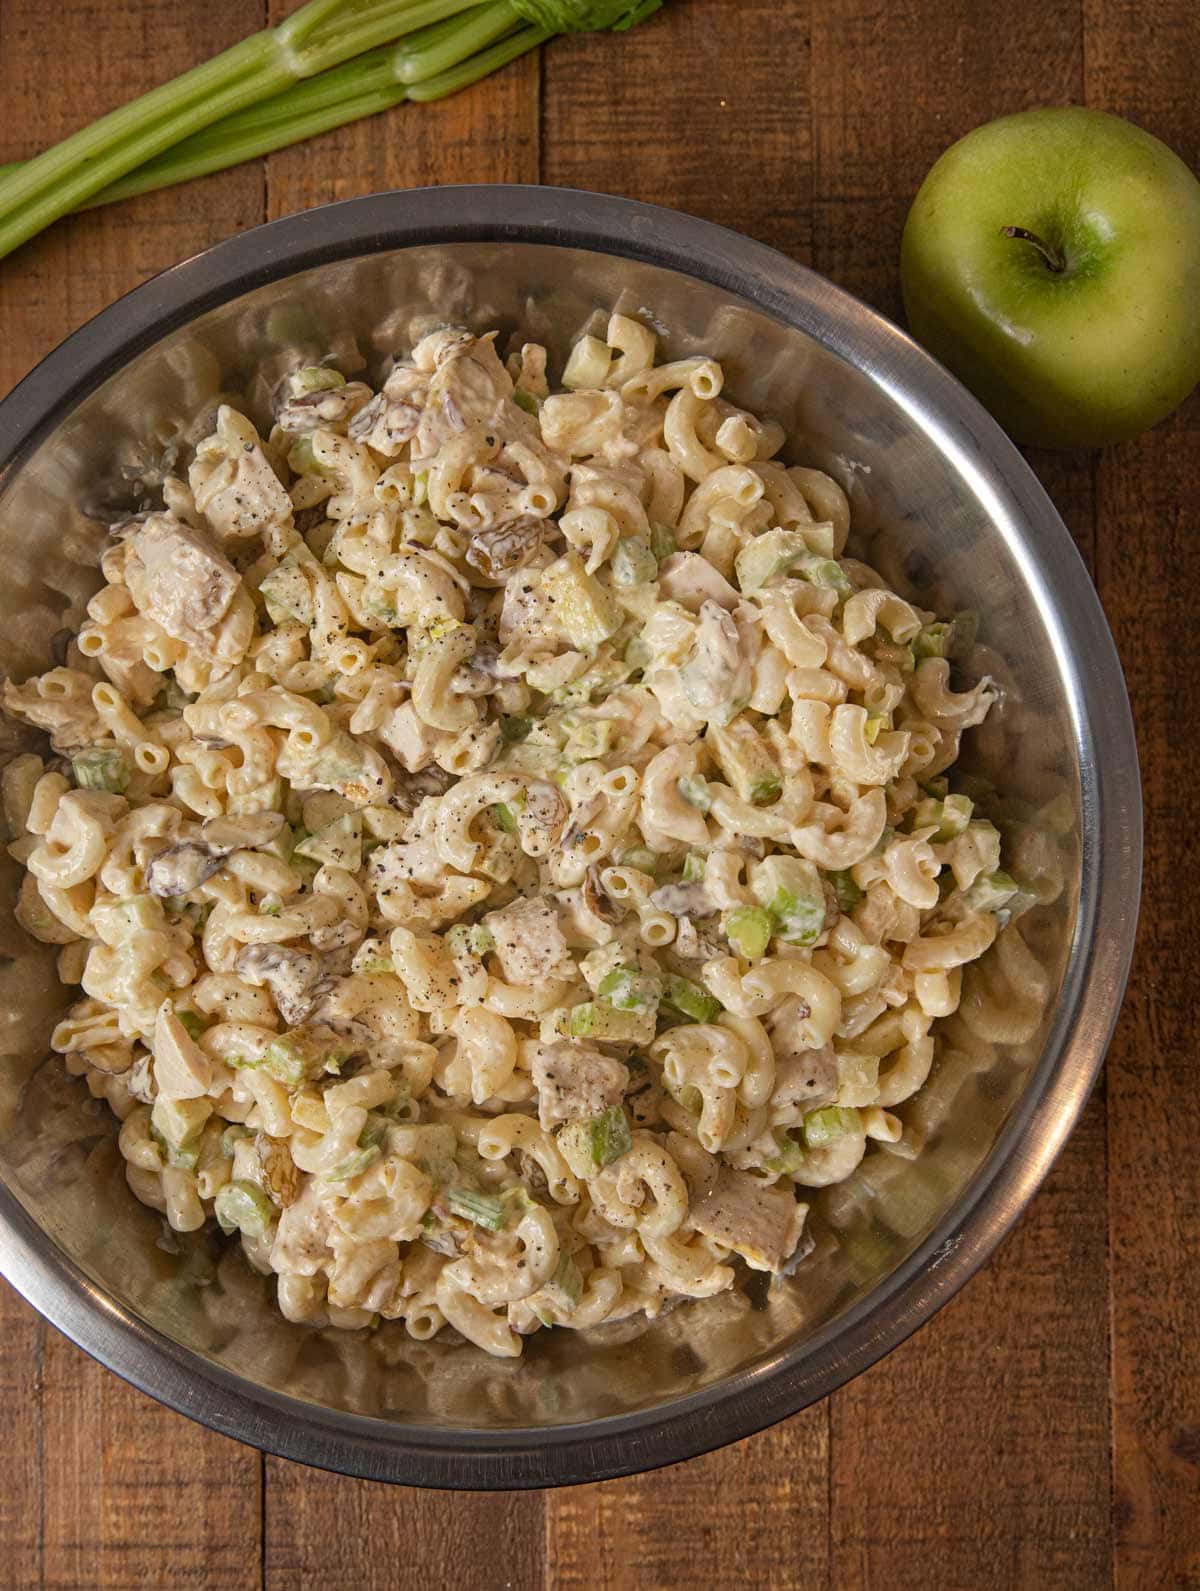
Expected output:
(180, 580)
(232, 481)
(529, 941)
(575, 1082)
(762, 1223)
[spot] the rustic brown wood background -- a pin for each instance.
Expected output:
(1044, 1430)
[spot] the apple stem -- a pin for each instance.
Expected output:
(1054, 260)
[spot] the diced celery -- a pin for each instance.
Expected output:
(876, 722)
(470, 939)
(938, 788)
(588, 740)
(180, 1121)
(285, 589)
(291, 1060)
(192, 1022)
(597, 1020)
(625, 989)
(374, 1130)
(791, 890)
(790, 1158)
(641, 857)
(931, 641)
(234, 1134)
(101, 768)
(662, 541)
(992, 893)
(243, 1207)
(526, 400)
(949, 816)
(504, 817)
(769, 557)
(824, 1126)
(354, 1164)
(694, 791)
(514, 729)
(566, 1285)
(633, 563)
(484, 1209)
(746, 762)
(315, 378)
(591, 1145)
(691, 1001)
(824, 572)
(845, 891)
(693, 868)
(301, 459)
(749, 930)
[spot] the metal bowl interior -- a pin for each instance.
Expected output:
(943, 505)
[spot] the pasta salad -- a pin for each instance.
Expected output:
(502, 840)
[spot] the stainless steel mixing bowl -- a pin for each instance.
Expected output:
(942, 502)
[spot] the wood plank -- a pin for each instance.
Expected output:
(380, 1537)
(136, 1495)
(982, 1446)
(1148, 559)
(23, 1336)
(487, 134)
(703, 108)
(751, 1515)
(102, 1487)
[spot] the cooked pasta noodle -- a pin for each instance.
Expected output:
(498, 839)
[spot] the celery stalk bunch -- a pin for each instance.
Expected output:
(331, 62)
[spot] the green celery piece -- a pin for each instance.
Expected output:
(694, 791)
(824, 1126)
(354, 1164)
(949, 816)
(233, 1135)
(101, 768)
(610, 1136)
(526, 400)
(625, 989)
(662, 541)
(484, 1209)
(691, 1001)
(642, 858)
(931, 641)
(243, 1207)
(790, 1158)
(846, 892)
(766, 790)
(374, 1131)
(565, 1285)
(596, 1020)
(693, 868)
(504, 817)
(801, 919)
(749, 930)
(315, 378)
(633, 563)
(192, 1022)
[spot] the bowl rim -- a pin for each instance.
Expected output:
(1102, 945)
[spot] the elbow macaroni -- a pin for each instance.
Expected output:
(468, 901)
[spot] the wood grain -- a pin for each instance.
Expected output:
(1149, 562)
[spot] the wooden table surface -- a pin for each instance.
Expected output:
(1044, 1429)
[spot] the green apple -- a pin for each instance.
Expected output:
(1052, 260)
